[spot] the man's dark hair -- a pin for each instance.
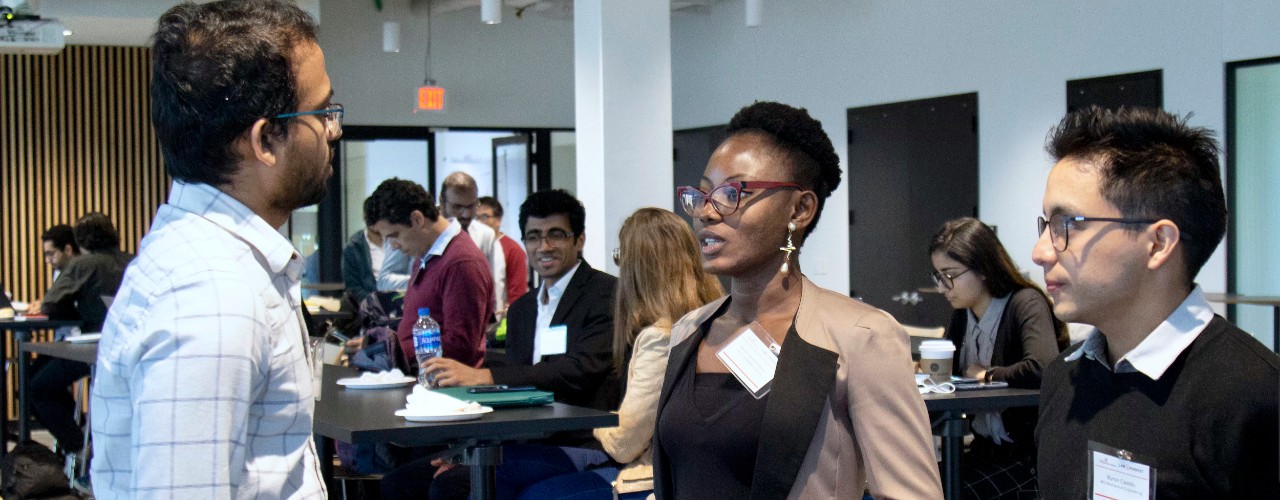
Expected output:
(546, 203)
(95, 232)
(1152, 165)
(395, 199)
(493, 204)
(60, 236)
(217, 68)
(800, 142)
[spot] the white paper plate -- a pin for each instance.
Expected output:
(445, 417)
(84, 338)
(356, 383)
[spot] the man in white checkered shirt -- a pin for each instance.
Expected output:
(203, 386)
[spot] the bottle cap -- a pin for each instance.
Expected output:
(424, 311)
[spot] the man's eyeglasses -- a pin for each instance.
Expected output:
(945, 281)
(1060, 225)
(554, 237)
(332, 118)
(726, 198)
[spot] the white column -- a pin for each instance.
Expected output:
(622, 64)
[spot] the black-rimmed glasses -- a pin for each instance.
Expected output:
(332, 118)
(1059, 226)
(726, 198)
(554, 237)
(945, 281)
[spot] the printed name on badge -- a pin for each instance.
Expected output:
(1115, 474)
(751, 360)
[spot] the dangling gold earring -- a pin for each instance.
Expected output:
(786, 263)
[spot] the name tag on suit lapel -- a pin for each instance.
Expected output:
(553, 340)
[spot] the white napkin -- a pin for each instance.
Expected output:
(425, 402)
(384, 377)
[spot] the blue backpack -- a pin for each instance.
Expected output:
(378, 316)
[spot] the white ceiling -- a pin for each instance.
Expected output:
(131, 22)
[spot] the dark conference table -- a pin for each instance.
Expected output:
(953, 426)
(19, 331)
(368, 416)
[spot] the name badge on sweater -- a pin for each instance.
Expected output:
(752, 358)
(1118, 475)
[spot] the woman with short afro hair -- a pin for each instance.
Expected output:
(842, 414)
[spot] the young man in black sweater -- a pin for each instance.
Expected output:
(1179, 399)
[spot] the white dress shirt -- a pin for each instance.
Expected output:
(376, 255)
(1153, 356)
(487, 240)
(394, 273)
(551, 294)
(203, 386)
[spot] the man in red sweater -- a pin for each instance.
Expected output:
(449, 275)
(490, 213)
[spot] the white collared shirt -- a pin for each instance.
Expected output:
(487, 239)
(1162, 346)
(546, 311)
(395, 269)
(375, 255)
(442, 242)
(203, 387)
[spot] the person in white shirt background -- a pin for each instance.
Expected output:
(459, 197)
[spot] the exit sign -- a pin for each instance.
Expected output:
(430, 98)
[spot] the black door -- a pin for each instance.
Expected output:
(912, 166)
(1145, 89)
(693, 148)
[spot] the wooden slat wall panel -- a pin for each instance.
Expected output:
(76, 137)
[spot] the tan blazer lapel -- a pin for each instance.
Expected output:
(805, 375)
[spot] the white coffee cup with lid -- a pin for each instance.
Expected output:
(936, 359)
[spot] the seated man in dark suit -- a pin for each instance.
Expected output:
(78, 293)
(559, 338)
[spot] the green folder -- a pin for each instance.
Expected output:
(500, 399)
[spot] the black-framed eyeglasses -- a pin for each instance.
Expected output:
(332, 118)
(554, 237)
(1060, 225)
(945, 281)
(725, 198)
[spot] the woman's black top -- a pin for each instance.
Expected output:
(710, 428)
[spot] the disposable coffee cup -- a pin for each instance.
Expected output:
(935, 359)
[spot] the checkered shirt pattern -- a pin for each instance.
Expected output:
(203, 387)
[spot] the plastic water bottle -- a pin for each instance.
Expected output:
(426, 344)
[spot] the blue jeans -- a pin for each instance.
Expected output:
(527, 472)
(547, 472)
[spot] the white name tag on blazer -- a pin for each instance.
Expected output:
(751, 359)
(553, 340)
(1117, 475)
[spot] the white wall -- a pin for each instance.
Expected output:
(518, 73)
(831, 55)
(828, 56)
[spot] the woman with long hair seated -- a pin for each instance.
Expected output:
(660, 278)
(821, 402)
(1004, 330)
